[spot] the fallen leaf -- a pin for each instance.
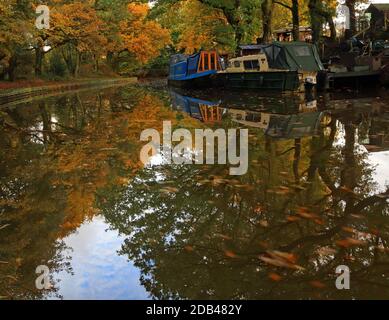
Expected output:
(275, 277)
(326, 251)
(350, 242)
(264, 223)
(169, 190)
(293, 219)
(280, 263)
(189, 248)
(317, 284)
(230, 254)
(287, 256)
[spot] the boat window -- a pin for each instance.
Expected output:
(237, 64)
(301, 51)
(256, 117)
(251, 65)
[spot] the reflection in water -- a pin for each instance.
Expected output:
(315, 197)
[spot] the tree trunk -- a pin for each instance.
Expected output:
(331, 24)
(296, 20)
(12, 68)
(77, 64)
(316, 21)
(267, 11)
(353, 20)
(96, 59)
(38, 61)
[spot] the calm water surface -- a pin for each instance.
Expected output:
(74, 197)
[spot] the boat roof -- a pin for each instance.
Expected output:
(296, 55)
(250, 57)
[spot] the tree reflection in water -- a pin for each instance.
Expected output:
(306, 206)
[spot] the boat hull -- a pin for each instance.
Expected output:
(353, 79)
(195, 83)
(278, 81)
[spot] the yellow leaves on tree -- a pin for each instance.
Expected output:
(78, 23)
(141, 37)
(14, 31)
(197, 26)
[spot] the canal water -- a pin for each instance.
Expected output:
(74, 197)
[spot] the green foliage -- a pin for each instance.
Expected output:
(57, 65)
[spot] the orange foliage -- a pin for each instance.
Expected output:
(141, 37)
(79, 24)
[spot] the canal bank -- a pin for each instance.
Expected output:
(8, 96)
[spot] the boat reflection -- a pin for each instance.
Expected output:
(290, 117)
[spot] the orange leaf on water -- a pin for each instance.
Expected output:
(317, 284)
(189, 248)
(350, 242)
(230, 254)
(275, 277)
(293, 218)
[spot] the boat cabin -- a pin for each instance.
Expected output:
(254, 63)
(184, 67)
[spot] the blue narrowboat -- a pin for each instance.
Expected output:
(194, 71)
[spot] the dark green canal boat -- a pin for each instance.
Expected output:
(253, 72)
(292, 66)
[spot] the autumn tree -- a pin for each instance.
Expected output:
(141, 37)
(15, 34)
(77, 27)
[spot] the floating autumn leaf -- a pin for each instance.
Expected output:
(281, 259)
(284, 255)
(282, 190)
(223, 236)
(230, 254)
(275, 277)
(349, 230)
(318, 221)
(293, 219)
(258, 209)
(169, 190)
(347, 190)
(350, 242)
(189, 248)
(264, 244)
(326, 251)
(358, 216)
(317, 284)
(306, 213)
(280, 263)
(264, 223)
